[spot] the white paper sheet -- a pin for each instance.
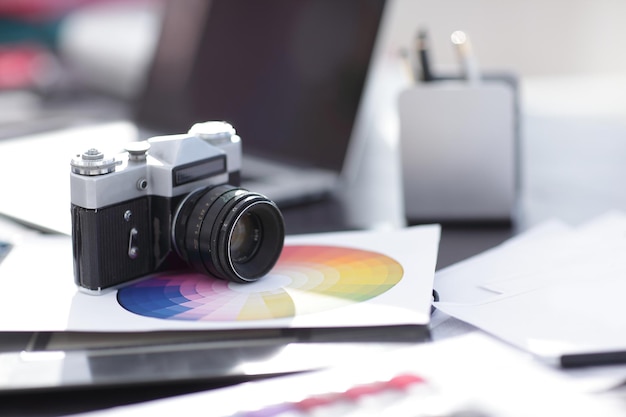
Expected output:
(462, 282)
(570, 300)
(38, 291)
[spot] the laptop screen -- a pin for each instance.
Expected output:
(287, 74)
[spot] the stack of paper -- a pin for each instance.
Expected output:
(555, 291)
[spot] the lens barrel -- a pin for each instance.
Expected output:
(229, 232)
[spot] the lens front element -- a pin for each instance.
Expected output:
(246, 237)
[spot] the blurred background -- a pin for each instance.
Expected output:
(107, 43)
(566, 56)
(50, 46)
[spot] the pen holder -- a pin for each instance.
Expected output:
(458, 144)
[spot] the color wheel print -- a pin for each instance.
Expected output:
(306, 279)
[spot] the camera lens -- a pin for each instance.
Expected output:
(229, 232)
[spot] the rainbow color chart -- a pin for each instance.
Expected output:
(306, 279)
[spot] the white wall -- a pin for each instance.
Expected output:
(530, 37)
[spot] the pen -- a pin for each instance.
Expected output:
(422, 47)
(469, 65)
(579, 360)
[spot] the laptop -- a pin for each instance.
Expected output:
(288, 75)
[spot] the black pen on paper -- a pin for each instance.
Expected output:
(469, 64)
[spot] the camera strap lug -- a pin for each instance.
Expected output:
(133, 250)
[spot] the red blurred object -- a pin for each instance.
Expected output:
(39, 8)
(24, 66)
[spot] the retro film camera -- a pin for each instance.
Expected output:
(167, 203)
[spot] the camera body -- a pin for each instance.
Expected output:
(168, 201)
